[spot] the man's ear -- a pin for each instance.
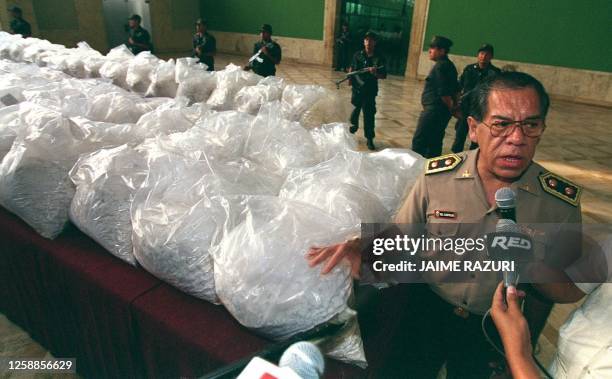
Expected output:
(472, 124)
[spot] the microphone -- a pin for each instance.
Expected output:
(506, 226)
(302, 360)
(305, 359)
(505, 199)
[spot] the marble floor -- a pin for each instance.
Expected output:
(577, 144)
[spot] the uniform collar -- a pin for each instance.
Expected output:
(529, 180)
(468, 172)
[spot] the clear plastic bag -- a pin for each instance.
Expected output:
(162, 79)
(34, 181)
(220, 135)
(67, 96)
(106, 182)
(250, 99)
(387, 175)
(175, 217)
(279, 144)
(312, 105)
(229, 82)
(261, 273)
(195, 83)
(10, 121)
(76, 61)
(107, 133)
(112, 104)
(139, 71)
(171, 117)
(116, 65)
(332, 139)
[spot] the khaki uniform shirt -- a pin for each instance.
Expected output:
(451, 201)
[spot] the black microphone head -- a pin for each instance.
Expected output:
(505, 225)
(505, 198)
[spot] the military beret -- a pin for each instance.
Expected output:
(371, 34)
(486, 47)
(441, 42)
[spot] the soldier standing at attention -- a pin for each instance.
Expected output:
(268, 53)
(472, 75)
(438, 100)
(455, 197)
(365, 86)
(204, 45)
(18, 25)
(139, 39)
(343, 44)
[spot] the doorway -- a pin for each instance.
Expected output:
(390, 19)
(116, 13)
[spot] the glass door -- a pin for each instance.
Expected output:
(390, 19)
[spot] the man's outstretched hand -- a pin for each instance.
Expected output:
(334, 254)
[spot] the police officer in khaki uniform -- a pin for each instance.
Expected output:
(507, 119)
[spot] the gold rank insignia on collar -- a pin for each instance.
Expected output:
(442, 163)
(561, 188)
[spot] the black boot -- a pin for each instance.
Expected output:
(353, 129)
(371, 144)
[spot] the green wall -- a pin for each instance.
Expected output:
(289, 18)
(52, 16)
(568, 33)
(184, 14)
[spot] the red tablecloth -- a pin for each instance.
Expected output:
(118, 321)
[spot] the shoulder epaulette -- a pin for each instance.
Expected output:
(561, 188)
(442, 163)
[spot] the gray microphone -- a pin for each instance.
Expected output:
(506, 225)
(505, 199)
(305, 359)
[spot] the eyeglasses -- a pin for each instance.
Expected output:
(530, 128)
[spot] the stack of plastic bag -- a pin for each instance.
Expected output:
(250, 99)
(229, 81)
(263, 278)
(106, 182)
(312, 105)
(162, 79)
(194, 82)
(116, 65)
(139, 71)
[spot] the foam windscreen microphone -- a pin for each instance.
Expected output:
(509, 244)
(305, 359)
